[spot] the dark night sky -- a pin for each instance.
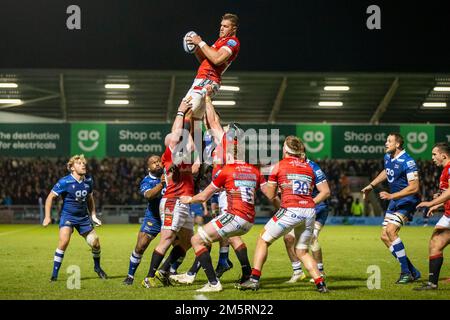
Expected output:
(314, 35)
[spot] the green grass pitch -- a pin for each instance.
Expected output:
(26, 258)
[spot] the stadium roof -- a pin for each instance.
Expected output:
(153, 96)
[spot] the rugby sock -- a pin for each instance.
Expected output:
(320, 267)
(135, 260)
(435, 268)
(241, 253)
(174, 266)
(154, 263)
(96, 256)
(176, 253)
(57, 261)
(319, 282)
(256, 275)
(204, 258)
(223, 255)
(297, 266)
(195, 267)
(400, 252)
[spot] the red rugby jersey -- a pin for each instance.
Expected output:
(295, 178)
(443, 185)
(179, 178)
(240, 180)
(208, 70)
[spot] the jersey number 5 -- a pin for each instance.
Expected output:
(247, 195)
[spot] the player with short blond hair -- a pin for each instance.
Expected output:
(76, 189)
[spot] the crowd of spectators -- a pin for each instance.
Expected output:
(116, 180)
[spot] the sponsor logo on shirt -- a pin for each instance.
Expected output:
(231, 43)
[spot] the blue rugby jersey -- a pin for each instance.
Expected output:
(74, 194)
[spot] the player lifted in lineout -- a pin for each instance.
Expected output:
(214, 60)
(403, 179)
(78, 201)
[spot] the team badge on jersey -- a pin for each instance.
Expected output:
(231, 43)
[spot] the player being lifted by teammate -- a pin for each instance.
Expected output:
(214, 60)
(152, 188)
(295, 177)
(240, 180)
(78, 201)
(176, 217)
(321, 217)
(215, 153)
(441, 233)
(403, 179)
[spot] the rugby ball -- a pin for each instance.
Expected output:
(189, 47)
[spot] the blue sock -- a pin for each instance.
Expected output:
(411, 267)
(400, 252)
(57, 261)
(96, 256)
(223, 255)
(176, 264)
(135, 260)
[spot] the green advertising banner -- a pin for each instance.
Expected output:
(442, 134)
(34, 140)
(419, 140)
(88, 139)
(136, 140)
(139, 140)
(317, 139)
(359, 141)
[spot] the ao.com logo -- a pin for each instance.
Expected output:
(88, 140)
(311, 138)
(415, 138)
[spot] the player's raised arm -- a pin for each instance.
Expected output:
(48, 208)
(177, 128)
(379, 179)
(215, 57)
(213, 120)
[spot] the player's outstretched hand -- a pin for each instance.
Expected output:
(432, 210)
(46, 221)
(185, 199)
(96, 220)
(184, 107)
(366, 190)
(423, 204)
